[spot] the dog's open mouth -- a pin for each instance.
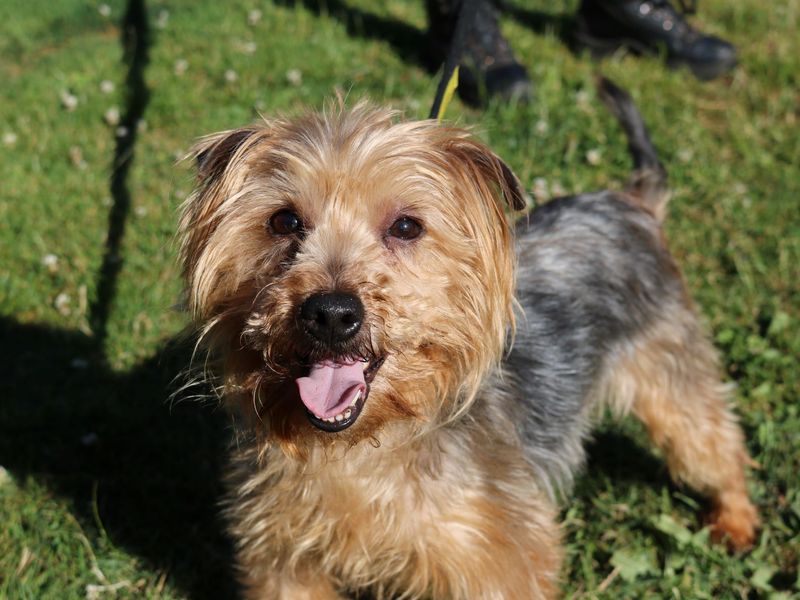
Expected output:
(334, 392)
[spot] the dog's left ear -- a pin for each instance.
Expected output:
(219, 160)
(213, 153)
(487, 165)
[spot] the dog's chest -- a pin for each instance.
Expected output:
(362, 513)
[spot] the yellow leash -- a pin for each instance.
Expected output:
(449, 90)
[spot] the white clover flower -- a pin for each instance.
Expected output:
(294, 76)
(540, 189)
(62, 303)
(111, 116)
(248, 47)
(76, 157)
(68, 100)
(180, 66)
(594, 157)
(162, 19)
(50, 261)
(685, 155)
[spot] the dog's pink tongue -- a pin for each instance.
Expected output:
(331, 386)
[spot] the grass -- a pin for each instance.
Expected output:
(108, 491)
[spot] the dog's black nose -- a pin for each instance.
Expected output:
(332, 318)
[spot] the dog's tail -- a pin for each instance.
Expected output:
(648, 183)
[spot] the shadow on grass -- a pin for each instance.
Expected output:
(135, 48)
(89, 432)
(618, 456)
(156, 468)
(407, 41)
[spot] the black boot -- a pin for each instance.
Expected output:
(650, 27)
(488, 67)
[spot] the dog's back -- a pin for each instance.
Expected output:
(593, 273)
(607, 319)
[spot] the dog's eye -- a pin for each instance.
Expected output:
(405, 228)
(285, 222)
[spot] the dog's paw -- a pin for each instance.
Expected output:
(734, 522)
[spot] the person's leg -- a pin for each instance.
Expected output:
(651, 27)
(488, 66)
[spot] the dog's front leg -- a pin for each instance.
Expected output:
(492, 550)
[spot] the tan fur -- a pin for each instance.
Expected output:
(380, 505)
(341, 176)
(679, 397)
(417, 499)
(440, 527)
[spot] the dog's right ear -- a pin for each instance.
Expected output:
(220, 160)
(483, 165)
(213, 153)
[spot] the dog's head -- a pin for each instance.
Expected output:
(350, 270)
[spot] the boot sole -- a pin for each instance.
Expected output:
(602, 47)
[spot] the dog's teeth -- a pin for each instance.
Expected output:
(355, 398)
(330, 420)
(347, 413)
(339, 417)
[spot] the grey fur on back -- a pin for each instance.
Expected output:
(591, 273)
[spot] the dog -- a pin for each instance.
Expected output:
(414, 375)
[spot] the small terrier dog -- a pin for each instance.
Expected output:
(414, 387)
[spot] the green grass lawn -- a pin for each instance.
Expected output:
(108, 490)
